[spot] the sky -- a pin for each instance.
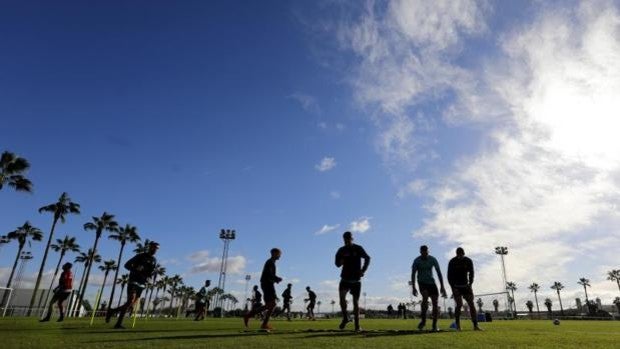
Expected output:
(446, 123)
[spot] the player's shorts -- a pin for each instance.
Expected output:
(430, 289)
(311, 305)
(269, 292)
(354, 287)
(201, 305)
(463, 291)
(134, 288)
(61, 296)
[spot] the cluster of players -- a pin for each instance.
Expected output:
(351, 258)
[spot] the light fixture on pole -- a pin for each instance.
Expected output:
(226, 235)
(502, 251)
(247, 282)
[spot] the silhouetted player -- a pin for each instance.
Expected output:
(423, 266)
(202, 301)
(311, 303)
(349, 258)
(257, 300)
(287, 299)
(267, 280)
(61, 292)
(141, 268)
(460, 279)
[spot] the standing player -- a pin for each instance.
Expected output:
(202, 301)
(141, 268)
(460, 279)
(61, 292)
(349, 258)
(287, 299)
(423, 266)
(311, 303)
(267, 280)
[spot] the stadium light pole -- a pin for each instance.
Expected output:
(226, 235)
(502, 251)
(4, 240)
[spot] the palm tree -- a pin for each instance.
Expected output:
(160, 284)
(158, 271)
(614, 275)
(128, 233)
(60, 209)
(142, 247)
(548, 304)
(512, 287)
(22, 234)
(534, 287)
(557, 286)
(175, 281)
(98, 224)
(585, 283)
(530, 305)
(333, 302)
(123, 280)
(617, 303)
(496, 305)
(106, 267)
(62, 246)
(12, 169)
(85, 258)
(318, 306)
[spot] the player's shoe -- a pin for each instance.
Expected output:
(421, 325)
(266, 328)
(476, 328)
(246, 320)
(344, 323)
(45, 319)
(108, 315)
(435, 329)
(119, 327)
(60, 319)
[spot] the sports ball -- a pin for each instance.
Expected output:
(556, 322)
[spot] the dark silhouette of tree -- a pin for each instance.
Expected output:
(107, 266)
(60, 209)
(534, 287)
(530, 306)
(12, 170)
(22, 235)
(98, 224)
(614, 275)
(496, 305)
(123, 235)
(123, 280)
(62, 246)
(557, 286)
(548, 304)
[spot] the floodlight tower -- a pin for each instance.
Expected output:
(502, 251)
(247, 282)
(25, 257)
(4, 240)
(226, 235)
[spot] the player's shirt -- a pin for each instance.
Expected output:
(141, 268)
(312, 296)
(460, 272)
(351, 256)
(257, 298)
(203, 295)
(269, 272)
(65, 282)
(424, 268)
(286, 295)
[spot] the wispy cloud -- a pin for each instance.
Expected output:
(203, 263)
(326, 164)
(326, 229)
(307, 102)
(360, 225)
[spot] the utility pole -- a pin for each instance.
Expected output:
(502, 251)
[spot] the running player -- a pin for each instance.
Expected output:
(349, 258)
(311, 303)
(423, 266)
(141, 268)
(460, 279)
(61, 293)
(267, 280)
(287, 299)
(202, 301)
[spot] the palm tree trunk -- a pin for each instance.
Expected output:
(49, 290)
(78, 290)
(156, 295)
(90, 265)
(163, 302)
(120, 296)
(586, 292)
(148, 302)
(172, 298)
(105, 276)
(560, 299)
(618, 282)
(536, 298)
(36, 284)
(8, 284)
(118, 263)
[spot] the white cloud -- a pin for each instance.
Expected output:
(334, 194)
(326, 229)
(307, 102)
(360, 225)
(414, 187)
(202, 263)
(326, 164)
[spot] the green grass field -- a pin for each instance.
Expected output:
(228, 333)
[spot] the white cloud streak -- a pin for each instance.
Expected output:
(326, 164)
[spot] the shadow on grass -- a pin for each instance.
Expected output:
(251, 333)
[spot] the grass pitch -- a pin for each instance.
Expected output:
(299, 334)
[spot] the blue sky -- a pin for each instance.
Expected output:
(458, 123)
